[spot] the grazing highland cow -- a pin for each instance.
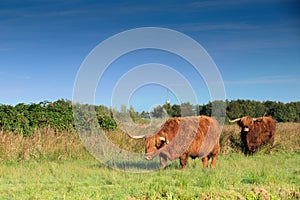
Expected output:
(256, 132)
(185, 137)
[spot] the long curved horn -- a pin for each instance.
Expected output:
(137, 136)
(258, 119)
(264, 115)
(235, 120)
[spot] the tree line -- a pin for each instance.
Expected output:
(27, 118)
(281, 112)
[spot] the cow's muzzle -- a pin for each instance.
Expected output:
(246, 129)
(148, 157)
(151, 155)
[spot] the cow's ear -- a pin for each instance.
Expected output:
(240, 123)
(163, 139)
(167, 141)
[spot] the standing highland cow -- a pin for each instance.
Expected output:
(185, 137)
(255, 132)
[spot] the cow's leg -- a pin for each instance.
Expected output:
(183, 161)
(214, 159)
(253, 150)
(163, 161)
(214, 155)
(246, 150)
(205, 161)
(272, 139)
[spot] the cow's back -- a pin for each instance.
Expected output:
(270, 124)
(206, 138)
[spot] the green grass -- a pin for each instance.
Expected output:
(51, 165)
(263, 176)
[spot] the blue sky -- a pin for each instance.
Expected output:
(255, 45)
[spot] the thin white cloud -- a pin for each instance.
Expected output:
(195, 27)
(47, 8)
(217, 3)
(289, 26)
(222, 3)
(243, 36)
(265, 80)
(48, 13)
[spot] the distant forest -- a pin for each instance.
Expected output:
(27, 118)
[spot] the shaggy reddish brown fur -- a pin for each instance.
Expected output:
(185, 137)
(256, 132)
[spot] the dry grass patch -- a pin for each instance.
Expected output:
(287, 139)
(48, 143)
(45, 143)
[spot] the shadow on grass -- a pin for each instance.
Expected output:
(137, 166)
(134, 166)
(129, 166)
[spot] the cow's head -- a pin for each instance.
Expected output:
(153, 142)
(246, 123)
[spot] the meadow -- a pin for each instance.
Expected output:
(55, 165)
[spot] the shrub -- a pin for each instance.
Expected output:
(107, 123)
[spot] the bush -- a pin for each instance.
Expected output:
(107, 123)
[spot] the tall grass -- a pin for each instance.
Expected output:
(43, 144)
(49, 144)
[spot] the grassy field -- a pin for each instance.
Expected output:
(275, 176)
(53, 165)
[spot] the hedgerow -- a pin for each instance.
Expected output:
(26, 119)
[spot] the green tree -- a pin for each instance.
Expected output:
(133, 114)
(205, 109)
(175, 111)
(296, 112)
(188, 110)
(218, 110)
(158, 112)
(291, 112)
(168, 109)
